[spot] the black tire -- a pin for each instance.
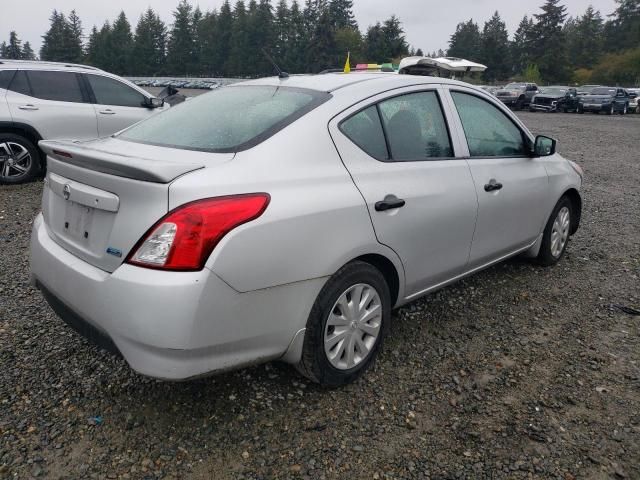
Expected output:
(624, 110)
(580, 110)
(34, 166)
(545, 257)
(314, 363)
(519, 104)
(611, 111)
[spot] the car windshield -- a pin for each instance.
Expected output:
(229, 119)
(515, 86)
(554, 91)
(603, 91)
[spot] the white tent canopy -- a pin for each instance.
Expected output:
(438, 66)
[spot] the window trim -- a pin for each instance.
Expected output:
(432, 89)
(318, 98)
(525, 137)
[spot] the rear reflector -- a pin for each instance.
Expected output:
(184, 238)
(62, 154)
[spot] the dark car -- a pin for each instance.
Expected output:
(605, 99)
(518, 95)
(555, 99)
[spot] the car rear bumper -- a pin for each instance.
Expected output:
(508, 100)
(169, 325)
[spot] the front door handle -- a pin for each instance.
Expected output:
(28, 107)
(390, 202)
(107, 111)
(492, 186)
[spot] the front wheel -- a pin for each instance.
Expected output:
(624, 110)
(580, 110)
(556, 233)
(19, 159)
(346, 325)
(611, 111)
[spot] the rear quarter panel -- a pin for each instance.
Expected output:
(316, 221)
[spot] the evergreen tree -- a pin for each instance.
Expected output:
(239, 44)
(522, 45)
(495, 49)
(281, 30)
(99, 50)
(54, 40)
(210, 52)
(73, 39)
(295, 50)
(419, 53)
(3, 49)
(394, 37)
(623, 30)
(375, 44)
(181, 42)
(585, 39)
(222, 37)
(466, 42)
(121, 42)
(550, 46)
(341, 14)
(196, 52)
(27, 52)
(149, 45)
(322, 50)
(13, 49)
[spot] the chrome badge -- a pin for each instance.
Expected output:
(66, 191)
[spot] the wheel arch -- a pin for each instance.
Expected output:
(576, 201)
(388, 270)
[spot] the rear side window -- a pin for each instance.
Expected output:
(111, 92)
(365, 130)
(20, 84)
(489, 132)
(415, 127)
(57, 86)
(5, 78)
(228, 119)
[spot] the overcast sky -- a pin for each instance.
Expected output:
(428, 23)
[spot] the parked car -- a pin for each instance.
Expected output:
(46, 100)
(490, 89)
(586, 89)
(605, 99)
(518, 95)
(284, 219)
(555, 99)
(634, 103)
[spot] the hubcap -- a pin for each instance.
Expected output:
(353, 326)
(560, 231)
(15, 160)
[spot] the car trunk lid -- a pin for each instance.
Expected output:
(99, 199)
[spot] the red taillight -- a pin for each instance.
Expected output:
(184, 238)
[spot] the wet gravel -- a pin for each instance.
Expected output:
(517, 372)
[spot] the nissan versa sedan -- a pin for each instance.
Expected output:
(284, 219)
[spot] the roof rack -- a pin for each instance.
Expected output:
(42, 62)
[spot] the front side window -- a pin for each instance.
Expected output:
(5, 78)
(228, 119)
(489, 132)
(365, 130)
(112, 92)
(415, 127)
(20, 84)
(56, 86)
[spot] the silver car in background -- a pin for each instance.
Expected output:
(286, 218)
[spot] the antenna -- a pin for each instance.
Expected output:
(281, 74)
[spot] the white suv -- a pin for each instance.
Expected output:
(47, 100)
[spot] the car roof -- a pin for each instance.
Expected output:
(38, 64)
(330, 82)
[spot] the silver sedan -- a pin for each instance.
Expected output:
(284, 219)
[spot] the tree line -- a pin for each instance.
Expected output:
(225, 42)
(555, 48)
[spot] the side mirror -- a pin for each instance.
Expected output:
(153, 102)
(544, 146)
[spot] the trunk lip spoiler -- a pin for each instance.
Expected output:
(135, 168)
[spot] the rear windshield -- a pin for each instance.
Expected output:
(603, 91)
(228, 119)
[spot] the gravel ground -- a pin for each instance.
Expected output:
(517, 372)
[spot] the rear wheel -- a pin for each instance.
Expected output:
(624, 110)
(346, 325)
(19, 159)
(556, 233)
(519, 104)
(612, 110)
(580, 109)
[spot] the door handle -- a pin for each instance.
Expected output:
(390, 202)
(492, 186)
(107, 112)
(28, 107)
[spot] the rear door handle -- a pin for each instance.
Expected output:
(390, 202)
(107, 112)
(492, 186)
(28, 107)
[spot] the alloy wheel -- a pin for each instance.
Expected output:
(15, 160)
(353, 326)
(560, 231)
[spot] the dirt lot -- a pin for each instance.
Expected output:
(517, 372)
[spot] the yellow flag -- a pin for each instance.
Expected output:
(347, 65)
